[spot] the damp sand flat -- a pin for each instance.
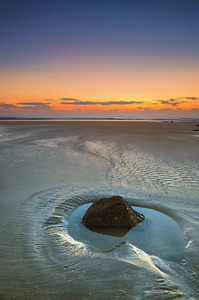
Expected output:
(50, 167)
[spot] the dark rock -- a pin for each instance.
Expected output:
(112, 213)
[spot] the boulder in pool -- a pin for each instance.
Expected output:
(111, 213)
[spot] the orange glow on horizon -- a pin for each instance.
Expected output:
(156, 88)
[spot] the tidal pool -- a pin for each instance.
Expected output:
(158, 234)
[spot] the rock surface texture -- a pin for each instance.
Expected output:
(111, 212)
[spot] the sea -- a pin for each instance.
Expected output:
(51, 171)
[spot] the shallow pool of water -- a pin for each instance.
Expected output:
(158, 234)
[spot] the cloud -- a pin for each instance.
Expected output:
(164, 101)
(176, 101)
(191, 98)
(7, 106)
(34, 106)
(170, 112)
(79, 102)
(172, 102)
(106, 103)
(120, 102)
(34, 103)
(69, 99)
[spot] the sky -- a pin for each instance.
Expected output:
(129, 58)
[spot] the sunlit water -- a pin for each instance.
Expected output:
(52, 171)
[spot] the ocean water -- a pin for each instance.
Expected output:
(52, 171)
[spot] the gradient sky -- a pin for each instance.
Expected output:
(130, 58)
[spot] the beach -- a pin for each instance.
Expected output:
(51, 170)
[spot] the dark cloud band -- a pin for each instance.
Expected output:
(34, 103)
(79, 102)
(35, 106)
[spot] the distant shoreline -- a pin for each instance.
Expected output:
(102, 119)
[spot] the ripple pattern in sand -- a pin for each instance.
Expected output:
(75, 268)
(133, 166)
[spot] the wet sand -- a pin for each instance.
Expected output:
(44, 163)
